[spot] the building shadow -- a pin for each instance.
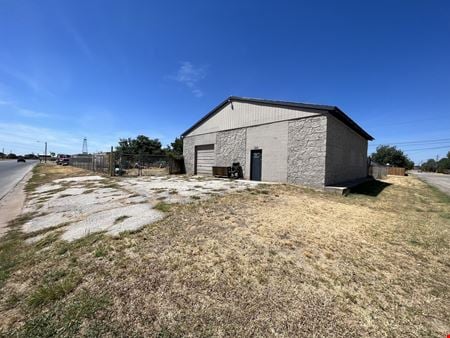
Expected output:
(370, 188)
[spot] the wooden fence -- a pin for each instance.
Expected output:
(396, 171)
(377, 171)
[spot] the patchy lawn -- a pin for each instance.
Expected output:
(265, 261)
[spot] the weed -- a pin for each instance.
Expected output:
(62, 248)
(110, 184)
(54, 276)
(121, 219)
(45, 230)
(47, 240)
(67, 319)
(53, 291)
(101, 252)
(162, 206)
(13, 248)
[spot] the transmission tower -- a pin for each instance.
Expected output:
(85, 149)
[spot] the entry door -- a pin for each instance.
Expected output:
(204, 159)
(255, 165)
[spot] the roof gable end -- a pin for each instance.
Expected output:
(332, 110)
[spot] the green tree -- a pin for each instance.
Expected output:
(429, 165)
(443, 165)
(140, 145)
(2, 155)
(176, 147)
(386, 154)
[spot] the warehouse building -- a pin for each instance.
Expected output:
(278, 141)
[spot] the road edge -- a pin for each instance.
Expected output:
(13, 202)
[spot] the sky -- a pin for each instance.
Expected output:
(107, 70)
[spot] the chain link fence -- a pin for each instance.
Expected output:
(98, 163)
(122, 164)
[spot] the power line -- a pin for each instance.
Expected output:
(443, 147)
(442, 140)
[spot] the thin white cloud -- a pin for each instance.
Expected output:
(81, 43)
(190, 76)
(13, 108)
(77, 37)
(28, 80)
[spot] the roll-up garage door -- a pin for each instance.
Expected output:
(205, 159)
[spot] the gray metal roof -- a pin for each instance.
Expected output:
(332, 110)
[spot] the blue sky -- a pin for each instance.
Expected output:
(111, 69)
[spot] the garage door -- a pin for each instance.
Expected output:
(205, 159)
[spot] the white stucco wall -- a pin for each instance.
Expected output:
(272, 139)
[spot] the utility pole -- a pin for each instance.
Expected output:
(45, 155)
(111, 169)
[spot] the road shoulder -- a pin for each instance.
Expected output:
(12, 203)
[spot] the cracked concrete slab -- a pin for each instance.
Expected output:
(84, 205)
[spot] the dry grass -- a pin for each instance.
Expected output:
(275, 260)
(46, 173)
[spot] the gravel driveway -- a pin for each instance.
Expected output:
(440, 181)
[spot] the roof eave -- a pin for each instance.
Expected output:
(347, 120)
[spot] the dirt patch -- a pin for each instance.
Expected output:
(46, 173)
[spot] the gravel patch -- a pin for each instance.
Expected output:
(46, 188)
(181, 190)
(84, 205)
(79, 179)
(46, 221)
(138, 216)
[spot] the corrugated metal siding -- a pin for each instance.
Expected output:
(241, 114)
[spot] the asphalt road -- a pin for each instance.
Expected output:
(11, 172)
(440, 181)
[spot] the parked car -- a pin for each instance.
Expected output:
(20, 159)
(63, 159)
